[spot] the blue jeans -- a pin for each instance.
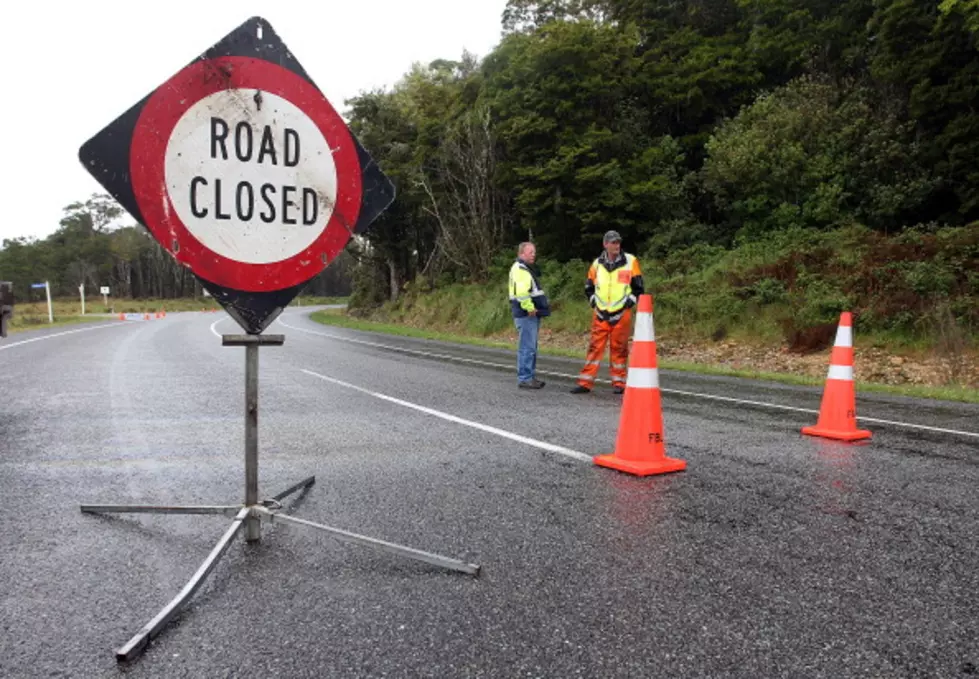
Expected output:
(528, 328)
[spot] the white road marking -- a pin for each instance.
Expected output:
(971, 434)
(215, 332)
(59, 334)
(426, 354)
(543, 445)
(815, 411)
(550, 373)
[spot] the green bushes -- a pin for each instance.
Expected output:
(920, 287)
(800, 280)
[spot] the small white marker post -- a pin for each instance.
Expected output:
(105, 294)
(81, 290)
(47, 289)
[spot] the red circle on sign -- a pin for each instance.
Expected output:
(147, 162)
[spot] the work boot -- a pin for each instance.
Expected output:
(580, 390)
(531, 384)
(618, 389)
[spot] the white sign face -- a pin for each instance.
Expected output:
(254, 184)
(103, 290)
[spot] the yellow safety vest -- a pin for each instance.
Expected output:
(613, 288)
(523, 289)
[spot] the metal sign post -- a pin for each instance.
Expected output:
(104, 290)
(243, 171)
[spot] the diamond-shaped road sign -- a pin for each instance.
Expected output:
(243, 171)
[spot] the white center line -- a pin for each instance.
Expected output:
(551, 373)
(543, 445)
(60, 334)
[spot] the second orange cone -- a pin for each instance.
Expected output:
(838, 410)
(640, 447)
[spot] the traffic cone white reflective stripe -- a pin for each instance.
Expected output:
(645, 331)
(642, 378)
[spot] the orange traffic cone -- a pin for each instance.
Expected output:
(838, 410)
(640, 448)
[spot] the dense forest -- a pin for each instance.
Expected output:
(798, 156)
(788, 157)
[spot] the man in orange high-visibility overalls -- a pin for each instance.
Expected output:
(614, 284)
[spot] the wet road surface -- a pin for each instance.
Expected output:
(773, 555)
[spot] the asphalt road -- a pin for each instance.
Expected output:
(773, 555)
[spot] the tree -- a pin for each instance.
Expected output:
(579, 154)
(816, 154)
(470, 211)
(928, 60)
(404, 129)
(968, 9)
(529, 15)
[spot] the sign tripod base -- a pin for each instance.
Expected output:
(250, 516)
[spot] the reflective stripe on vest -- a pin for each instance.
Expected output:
(612, 288)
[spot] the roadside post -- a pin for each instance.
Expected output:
(47, 291)
(243, 171)
(6, 305)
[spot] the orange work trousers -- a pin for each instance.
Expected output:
(602, 334)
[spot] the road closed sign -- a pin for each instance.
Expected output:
(243, 171)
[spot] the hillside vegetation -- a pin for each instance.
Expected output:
(773, 162)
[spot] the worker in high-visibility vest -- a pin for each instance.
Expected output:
(613, 285)
(528, 304)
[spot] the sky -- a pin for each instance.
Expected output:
(74, 67)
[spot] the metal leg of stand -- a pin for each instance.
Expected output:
(250, 516)
(228, 510)
(138, 643)
(305, 483)
(400, 550)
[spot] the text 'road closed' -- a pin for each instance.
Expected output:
(221, 199)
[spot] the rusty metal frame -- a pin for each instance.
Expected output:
(249, 515)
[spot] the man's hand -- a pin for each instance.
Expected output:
(532, 312)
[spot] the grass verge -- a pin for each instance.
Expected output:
(337, 318)
(37, 323)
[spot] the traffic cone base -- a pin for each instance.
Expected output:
(664, 465)
(855, 435)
